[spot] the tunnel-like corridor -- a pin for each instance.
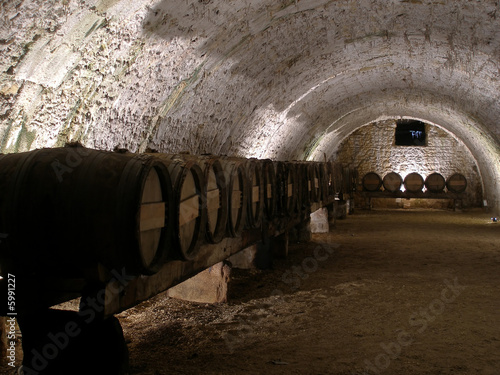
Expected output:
(294, 102)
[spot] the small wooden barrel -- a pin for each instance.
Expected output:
(83, 206)
(286, 187)
(435, 183)
(315, 182)
(291, 189)
(372, 182)
(281, 188)
(337, 175)
(270, 188)
(414, 183)
(189, 204)
(456, 183)
(322, 181)
(217, 200)
(255, 193)
(346, 180)
(237, 187)
(306, 181)
(392, 182)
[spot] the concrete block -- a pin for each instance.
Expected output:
(319, 221)
(209, 286)
(244, 259)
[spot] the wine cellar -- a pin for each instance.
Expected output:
(249, 187)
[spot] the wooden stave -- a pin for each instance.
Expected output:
(270, 188)
(292, 198)
(281, 188)
(235, 173)
(255, 180)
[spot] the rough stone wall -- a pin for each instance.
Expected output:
(284, 79)
(372, 149)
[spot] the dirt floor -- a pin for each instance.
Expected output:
(392, 292)
(385, 292)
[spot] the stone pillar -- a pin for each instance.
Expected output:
(244, 259)
(209, 286)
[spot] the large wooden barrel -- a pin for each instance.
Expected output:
(315, 182)
(346, 180)
(255, 192)
(291, 192)
(330, 180)
(371, 182)
(414, 182)
(456, 183)
(270, 188)
(189, 205)
(67, 209)
(295, 187)
(237, 187)
(216, 193)
(337, 175)
(281, 188)
(392, 182)
(306, 180)
(435, 183)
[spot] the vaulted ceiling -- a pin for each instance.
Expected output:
(264, 78)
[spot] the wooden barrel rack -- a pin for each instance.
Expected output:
(119, 228)
(159, 217)
(414, 184)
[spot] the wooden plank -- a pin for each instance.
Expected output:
(290, 190)
(236, 199)
(189, 210)
(269, 190)
(213, 200)
(255, 194)
(152, 216)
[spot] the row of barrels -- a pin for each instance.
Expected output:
(414, 182)
(69, 208)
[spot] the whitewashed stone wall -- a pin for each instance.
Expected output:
(372, 149)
